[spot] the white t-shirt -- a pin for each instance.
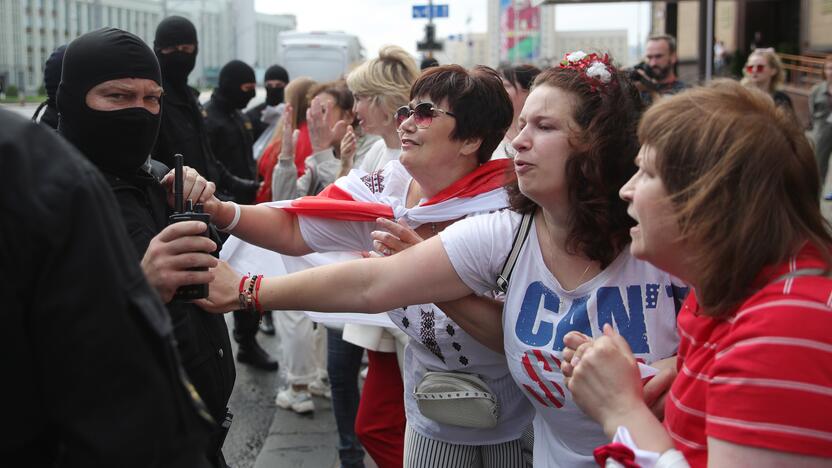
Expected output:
(637, 298)
(436, 342)
(378, 156)
(504, 150)
(373, 338)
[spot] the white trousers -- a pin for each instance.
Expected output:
(302, 346)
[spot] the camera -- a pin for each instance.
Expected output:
(635, 73)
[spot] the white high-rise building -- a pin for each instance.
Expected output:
(31, 29)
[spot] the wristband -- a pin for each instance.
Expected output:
(234, 221)
(246, 296)
(623, 452)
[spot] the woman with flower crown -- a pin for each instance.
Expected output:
(573, 271)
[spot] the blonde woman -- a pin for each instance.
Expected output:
(764, 71)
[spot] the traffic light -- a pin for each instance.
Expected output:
(429, 43)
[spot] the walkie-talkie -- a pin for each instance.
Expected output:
(184, 210)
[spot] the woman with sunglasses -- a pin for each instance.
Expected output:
(726, 198)
(572, 272)
(764, 71)
(448, 132)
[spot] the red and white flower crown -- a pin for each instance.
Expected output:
(596, 69)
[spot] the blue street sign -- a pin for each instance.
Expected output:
(423, 11)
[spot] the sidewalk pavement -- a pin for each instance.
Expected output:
(300, 441)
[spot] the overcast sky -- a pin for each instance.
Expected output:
(380, 22)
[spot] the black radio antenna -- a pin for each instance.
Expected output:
(178, 184)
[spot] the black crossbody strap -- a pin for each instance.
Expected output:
(519, 239)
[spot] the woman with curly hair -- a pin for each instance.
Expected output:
(573, 272)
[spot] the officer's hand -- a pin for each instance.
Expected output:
(195, 188)
(172, 252)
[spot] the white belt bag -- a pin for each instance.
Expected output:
(457, 399)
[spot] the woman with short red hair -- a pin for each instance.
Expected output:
(725, 198)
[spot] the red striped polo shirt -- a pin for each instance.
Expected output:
(762, 377)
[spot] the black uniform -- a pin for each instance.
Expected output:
(183, 118)
(202, 338)
(120, 151)
(92, 376)
(274, 96)
(229, 132)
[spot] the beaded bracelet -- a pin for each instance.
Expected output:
(247, 295)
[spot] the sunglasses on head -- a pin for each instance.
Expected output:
(423, 114)
(755, 68)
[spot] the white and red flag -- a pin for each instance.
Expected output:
(365, 197)
(362, 198)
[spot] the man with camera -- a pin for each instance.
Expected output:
(656, 75)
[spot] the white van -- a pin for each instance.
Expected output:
(322, 56)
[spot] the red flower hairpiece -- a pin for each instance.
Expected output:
(595, 69)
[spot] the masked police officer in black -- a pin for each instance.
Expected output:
(229, 131)
(275, 80)
(183, 119)
(110, 103)
(51, 80)
(91, 372)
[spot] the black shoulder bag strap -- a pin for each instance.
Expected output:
(519, 239)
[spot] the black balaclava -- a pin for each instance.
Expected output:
(118, 142)
(51, 80)
(174, 31)
(232, 76)
(52, 74)
(274, 96)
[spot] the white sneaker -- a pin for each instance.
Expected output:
(299, 402)
(320, 387)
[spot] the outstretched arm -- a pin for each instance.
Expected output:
(270, 228)
(420, 275)
(481, 317)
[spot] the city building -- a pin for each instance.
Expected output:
(519, 32)
(789, 26)
(31, 29)
(613, 42)
(466, 50)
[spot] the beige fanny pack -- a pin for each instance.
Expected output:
(457, 399)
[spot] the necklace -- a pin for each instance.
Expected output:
(552, 248)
